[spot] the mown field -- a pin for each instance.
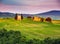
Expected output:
(32, 29)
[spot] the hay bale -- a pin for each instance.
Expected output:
(18, 17)
(35, 18)
(48, 19)
(42, 19)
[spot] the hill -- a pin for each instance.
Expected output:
(54, 14)
(6, 14)
(31, 29)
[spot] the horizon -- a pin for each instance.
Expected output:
(29, 13)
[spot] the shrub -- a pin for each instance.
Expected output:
(15, 37)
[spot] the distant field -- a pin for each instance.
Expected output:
(56, 21)
(31, 29)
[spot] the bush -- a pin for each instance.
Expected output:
(15, 37)
(10, 37)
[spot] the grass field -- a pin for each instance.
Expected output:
(31, 29)
(56, 21)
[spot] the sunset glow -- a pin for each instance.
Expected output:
(29, 6)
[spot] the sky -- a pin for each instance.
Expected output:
(29, 6)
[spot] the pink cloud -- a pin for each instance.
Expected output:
(29, 9)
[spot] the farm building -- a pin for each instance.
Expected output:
(36, 18)
(18, 17)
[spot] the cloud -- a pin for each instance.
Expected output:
(11, 2)
(58, 2)
(29, 6)
(0, 1)
(29, 2)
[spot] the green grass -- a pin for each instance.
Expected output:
(32, 29)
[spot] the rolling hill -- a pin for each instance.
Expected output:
(54, 14)
(6, 14)
(31, 29)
